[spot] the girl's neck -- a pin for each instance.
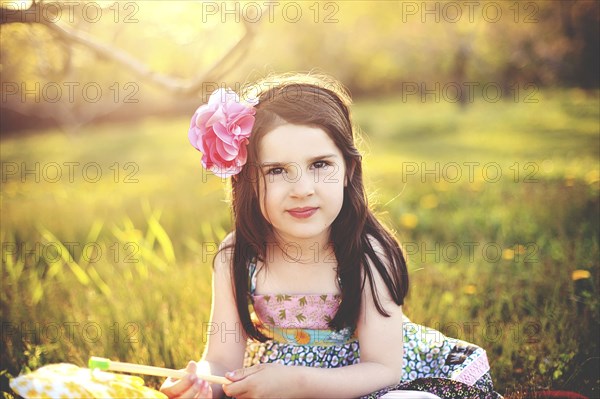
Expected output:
(303, 251)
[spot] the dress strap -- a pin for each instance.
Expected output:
(252, 276)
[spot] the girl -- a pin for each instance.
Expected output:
(309, 275)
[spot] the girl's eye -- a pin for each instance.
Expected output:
(275, 171)
(320, 164)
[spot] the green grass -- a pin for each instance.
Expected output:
(140, 291)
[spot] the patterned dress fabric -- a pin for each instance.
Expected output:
(299, 335)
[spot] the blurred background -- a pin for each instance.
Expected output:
(73, 63)
(479, 121)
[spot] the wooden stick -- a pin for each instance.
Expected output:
(106, 364)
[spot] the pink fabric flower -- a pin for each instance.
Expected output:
(220, 130)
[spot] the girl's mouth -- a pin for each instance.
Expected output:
(302, 213)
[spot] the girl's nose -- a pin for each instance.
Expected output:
(302, 184)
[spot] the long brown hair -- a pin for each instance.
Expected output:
(317, 101)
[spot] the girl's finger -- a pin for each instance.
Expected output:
(191, 367)
(190, 393)
(237, 389)
(240, 374)
(232, 390)
(205, 391)
(175, 388)
(179, 388)
(194, 390)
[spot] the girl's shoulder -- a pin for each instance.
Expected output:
(378, 248)
(390, 257)
(228, 241)
(224, 255)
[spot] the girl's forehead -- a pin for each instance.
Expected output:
(289, 141)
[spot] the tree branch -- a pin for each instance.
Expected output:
(168, 82)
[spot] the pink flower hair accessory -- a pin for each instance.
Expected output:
(221, 130)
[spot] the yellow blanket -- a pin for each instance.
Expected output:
(66, 380)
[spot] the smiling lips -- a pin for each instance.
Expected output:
(302, 213)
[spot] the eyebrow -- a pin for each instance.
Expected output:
(311, 160)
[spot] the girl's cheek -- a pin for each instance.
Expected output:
(276, 188)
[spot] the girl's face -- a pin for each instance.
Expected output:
(303, 187)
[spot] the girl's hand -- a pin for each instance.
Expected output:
(188, 387)
(261, 381)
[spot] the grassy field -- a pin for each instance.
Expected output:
(107, 235)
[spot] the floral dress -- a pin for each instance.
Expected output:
(299, 335)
